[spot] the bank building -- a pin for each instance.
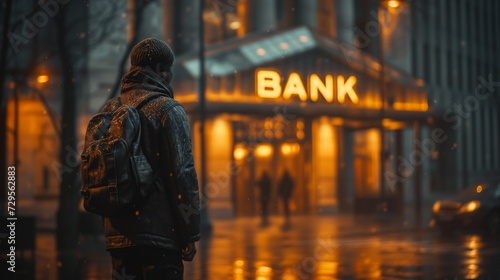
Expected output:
(370, 105)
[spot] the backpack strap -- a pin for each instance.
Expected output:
(141, 103)
(148, 98)
(171, 103)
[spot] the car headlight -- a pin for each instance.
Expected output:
(436, 207)
(470, 206)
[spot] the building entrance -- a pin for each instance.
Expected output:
(366, 169)
(260, 167)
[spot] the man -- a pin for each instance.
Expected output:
(285, 191)
(265, 194)
(152, 243)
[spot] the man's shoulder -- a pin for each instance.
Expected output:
(165, 103)
(167, 108)
(111, 105)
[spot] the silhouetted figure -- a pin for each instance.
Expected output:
(285, 191)
(159, 230)
(265, 193)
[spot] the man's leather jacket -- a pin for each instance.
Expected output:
(170, 216)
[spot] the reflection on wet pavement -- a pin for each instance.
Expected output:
(318, 249)
(313, 248)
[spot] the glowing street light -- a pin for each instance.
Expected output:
(393, 4)
(42, 79)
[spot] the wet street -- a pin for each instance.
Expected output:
(336, 247)
(322, 250)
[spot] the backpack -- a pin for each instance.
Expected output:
(116, 175)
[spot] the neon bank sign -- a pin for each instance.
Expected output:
(268, 85)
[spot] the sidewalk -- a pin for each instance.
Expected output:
(243, 249)
(240, 245)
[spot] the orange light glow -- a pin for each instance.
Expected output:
(337, 121)
(325, 160)
(300, 124)
(235, 25)
(239, 153)
(300, 134)
(327, 267)
(294, 86)
(411, 106)
(479, 189)
(290, 149)
(392, 125)
(263, 151)
(303, 38)
(317, 86)
(284, 45)
(238, 269)
(268, 85)
(345, 87)
(393, 4)
(264, 273)
(261, 51)
(42, 79)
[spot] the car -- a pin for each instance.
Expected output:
(477, 207)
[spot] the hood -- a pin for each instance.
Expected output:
(144, 78)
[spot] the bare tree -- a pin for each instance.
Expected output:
(70, 50)
(71, 47)
(138, 7)
(68, 212)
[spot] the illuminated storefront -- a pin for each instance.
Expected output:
(295, 100)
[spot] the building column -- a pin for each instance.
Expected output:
(264, 15)
(418, 173)
(348, 163)
(342, 197)
(167, 21)
(487, 134)
(463, 89)
(187, 37)
(496, 141)
(474, 71)
(345, 20)
(306, 12)
(399, 183)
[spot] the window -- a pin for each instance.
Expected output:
(221, 20)
(326, 17)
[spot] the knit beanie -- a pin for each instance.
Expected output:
(152, 53)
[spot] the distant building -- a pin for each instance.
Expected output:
(274, 71)
(455, 50)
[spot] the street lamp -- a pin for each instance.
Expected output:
(417, 195)
(381, 60)
(393, 4)
(383, 4)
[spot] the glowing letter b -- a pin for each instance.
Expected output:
(268, 84)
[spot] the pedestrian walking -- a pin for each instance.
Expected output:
(264, 184)
(285, 190)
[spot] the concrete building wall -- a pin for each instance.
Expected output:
(459, 37)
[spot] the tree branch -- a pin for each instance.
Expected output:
(139, 8)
